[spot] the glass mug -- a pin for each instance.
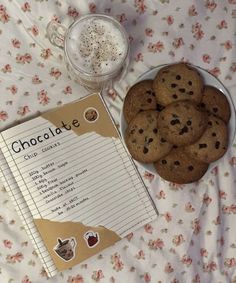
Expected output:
(96, 49)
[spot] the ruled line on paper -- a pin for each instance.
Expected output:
(26, 218)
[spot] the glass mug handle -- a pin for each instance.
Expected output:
(56, 33)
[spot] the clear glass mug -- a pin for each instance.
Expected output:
(96, 49)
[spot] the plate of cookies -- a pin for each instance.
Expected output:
(178, 121)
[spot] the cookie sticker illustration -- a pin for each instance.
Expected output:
(91, 238)
(65, 249)
(91, 115)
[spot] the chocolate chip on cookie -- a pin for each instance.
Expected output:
(182, 123)
(179, 81)
(179, 168)
(213, 144)
(215, 102)
(139, 97)
(143, 138)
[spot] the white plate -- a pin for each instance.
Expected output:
(209, 80)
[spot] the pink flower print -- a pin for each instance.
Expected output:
(233, 67)
(189, 207)
(140, 255)
(178, 42)
(203, 252)
(18, 257)
(116, 261)
(22, 59)
(233, 208)
(149, 32)
(195, 224)
(13, 89)
(112, 94)
(147, 277)
(157, 244)
(26, 279)
(155, 47)
(230, 262)
(197, 31)
(139, 57)
(26, 7)
(161, 195)
(23, 110)
(178, 240)
(168, 217)
(210, 5)
(7, 244)
(75, 279)
(67, 90)
(206, 199)
(196, 279)
(140, 6)
(175, 186)
(130, 39)
(186, 260)
(16, 43)
(227, 44)
(7, 68)
(221, 241)
(43, 97)
(215, 71)
(55, 18)
(46, 53)
(129, 236)
(192, 11)
(222, 24)
(72, 12)
(168, 268)
(121, 18)
(222, 194)
(169, 20)
(34, 30)
(36, 80)
(211, 266)
(148, 176)
(217, 220)
(43, 273)
(3, 115)
(97, 275)
(226, 209)
(148, 228)
(232, 161)
(4, 17)
(54, 72)
(206, 58)
(92, 7)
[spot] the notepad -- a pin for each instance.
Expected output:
(73, 182)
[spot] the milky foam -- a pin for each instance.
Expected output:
(96, 45)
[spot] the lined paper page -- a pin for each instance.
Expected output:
(88, 178)
(25, 215)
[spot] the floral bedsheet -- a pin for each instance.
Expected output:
(194, 237)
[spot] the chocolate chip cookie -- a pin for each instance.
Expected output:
(182, 123)
(143, 138)
(215, 102)
(178, 167)
(138, 98)
(178, 82)
(213, 144)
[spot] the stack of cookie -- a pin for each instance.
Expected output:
(177, 123)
